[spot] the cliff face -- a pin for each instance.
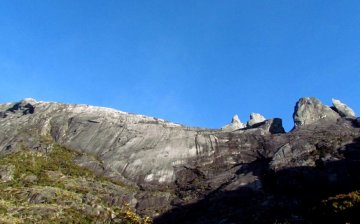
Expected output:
(246, 173)
(138, 148)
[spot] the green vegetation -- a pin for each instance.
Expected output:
(343, 202)
(341, 208)
(48, 187)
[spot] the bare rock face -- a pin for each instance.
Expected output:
(266, 127)
(195, 175)
(293, 155)
(135, 149)
(273, 126)
(292, 173)
(257, 125)
(255, 118)
(120, 140)
(234, 125)
(311, 110)
(342, 109)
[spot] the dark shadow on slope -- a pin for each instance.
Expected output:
(218, 206)
(23, 108)
(291, 195)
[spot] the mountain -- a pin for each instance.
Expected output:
(80, 163)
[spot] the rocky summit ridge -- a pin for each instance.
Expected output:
(249, 172)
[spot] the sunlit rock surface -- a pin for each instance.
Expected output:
(234, 125)
(342, 109)
(255, 118)
(309, 110)
(196, 175)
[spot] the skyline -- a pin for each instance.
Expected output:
(243, 121)
(193, 63)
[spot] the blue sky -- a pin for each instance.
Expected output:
(191, 62)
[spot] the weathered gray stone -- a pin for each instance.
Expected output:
(7, 173)
(310, 110)
(91, 163)
(3, 114)
(165, 164)
(129, 147)
(30, 179)
(289, 156)
(270, 126)
(234, 125)
(342, 109)
(255, 118)
(274, 126)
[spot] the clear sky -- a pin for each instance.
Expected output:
(192, 62)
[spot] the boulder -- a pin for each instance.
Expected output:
(7, 173)
(342, 109)
(234, 125)
(30, 179)
(255, 118)
(310, 110)
(274, 126)
(3, 114)
(270, 126)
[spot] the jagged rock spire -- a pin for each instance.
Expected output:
(235, 119)
(234, 125)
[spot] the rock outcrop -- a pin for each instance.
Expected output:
(255, 119)
(234, 125)
(342, 109)
(178, 174)
(310, 110)
(257, 125)
(6, 173)
(266, 127)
